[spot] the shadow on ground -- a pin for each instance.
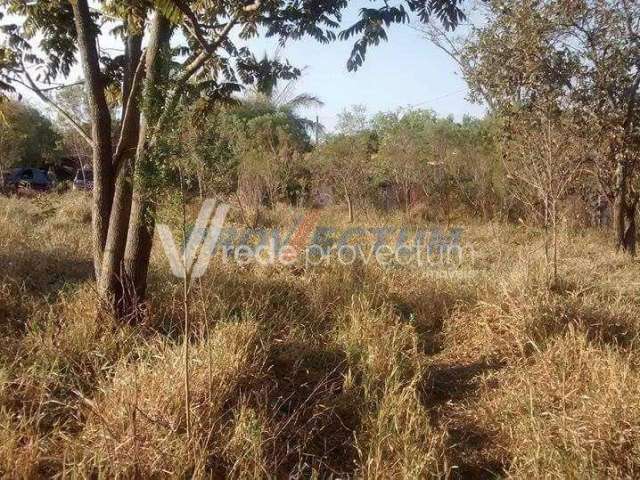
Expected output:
(470, 448)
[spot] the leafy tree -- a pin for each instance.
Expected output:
(12, 137)
(256, 141)
(73, 100)
(452, 163)
(581, 59)
(27, 138)
(405, 149)
(353, 120)
(543, 158)
(208, 152)
(268, 148)
(343, 162)
(485, 177)
(153, 82)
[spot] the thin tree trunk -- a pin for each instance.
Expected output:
(186, 286)
(112, 284)
(103, 177)
(187, 373)
(347, 196)
(624, 210)
(546, 236)
(200, 178)
(141, 220)
(245, 219)
(554, 226)
(619, 204)
(630, 225)
(406, 199)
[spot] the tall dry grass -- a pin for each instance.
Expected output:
(326, 372)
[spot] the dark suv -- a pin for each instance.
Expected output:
(28, 179)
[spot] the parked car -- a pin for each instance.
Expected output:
(28, 179)
(83, 180)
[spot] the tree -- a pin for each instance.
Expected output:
(405, 151)
(268, 148)
(343, 162)
(582, 59)
(255, 140)
(153, 82)
(72, 99)
(353, 120)
(543, 157)
(453, 45)
(27, 138)
(273, 137)
(12, 137)
(452, 163)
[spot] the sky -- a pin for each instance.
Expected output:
(406, 71)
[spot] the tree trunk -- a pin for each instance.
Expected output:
(123, 207)
(103, 178)
(554, 226)
(547, 259)
(137, 252)
(630, 225)
(347, 197)
(112, 284)
(201, 187)
(407, 190)
(122, 218)
(624, 210)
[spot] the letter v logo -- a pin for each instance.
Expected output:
(195, 258)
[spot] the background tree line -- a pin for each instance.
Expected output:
(560, 79)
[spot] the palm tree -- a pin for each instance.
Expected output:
(265, 96)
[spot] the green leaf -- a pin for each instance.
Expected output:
(170, 9)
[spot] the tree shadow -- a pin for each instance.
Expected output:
(470, 447)
(29, 284)
(43, 273)
(600, 324)
(444, 383)
(310, 416)
(276, 304)
(428, 310)
(313, 417)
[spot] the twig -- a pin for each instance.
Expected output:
(31, 85)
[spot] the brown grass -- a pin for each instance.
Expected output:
(328, 372)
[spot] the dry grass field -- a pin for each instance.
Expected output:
(326, 372)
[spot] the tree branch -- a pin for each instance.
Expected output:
(200, 60)
(442, 41)
(31, 85)
(61, 87)
(192, 68)
(94, 83)
(632, 34)
(196, 28)
(628, 122)
(128, 116)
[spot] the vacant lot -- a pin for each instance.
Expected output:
(333, 371)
